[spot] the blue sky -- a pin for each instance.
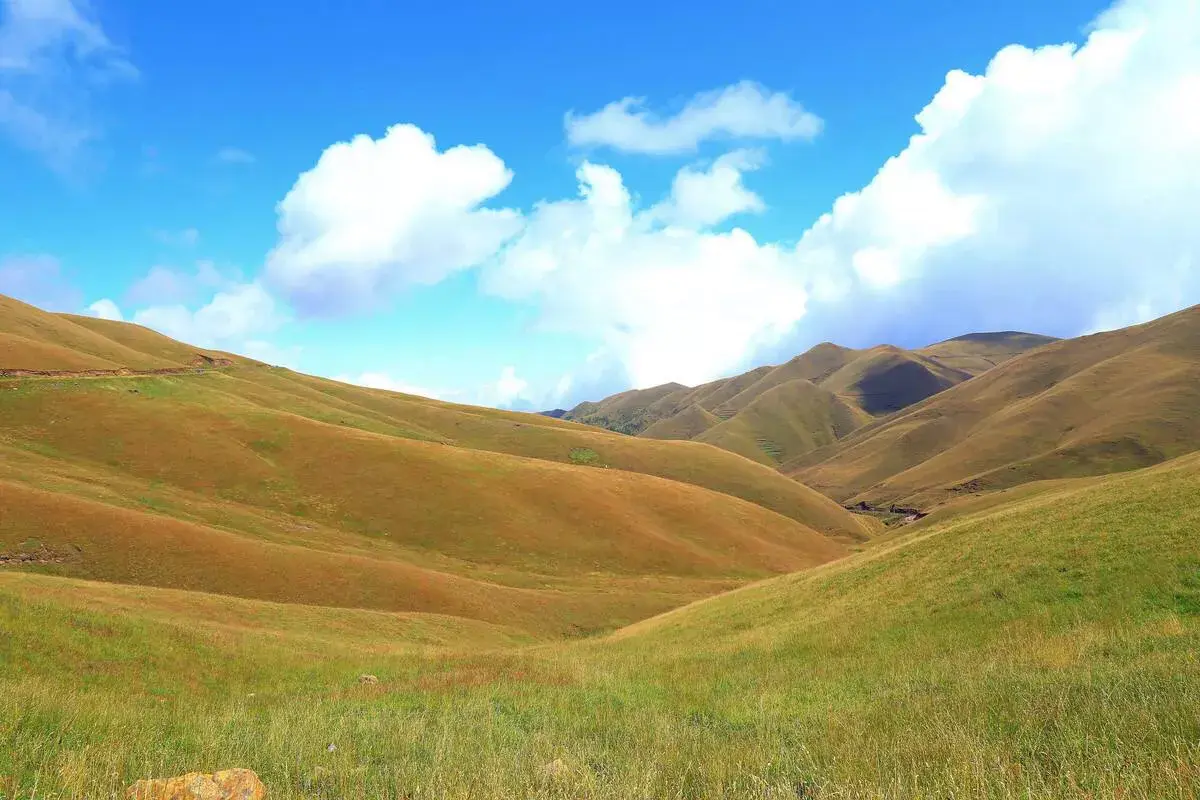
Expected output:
(640, 192)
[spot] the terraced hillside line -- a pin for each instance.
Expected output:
(769, 447)
(203, 364)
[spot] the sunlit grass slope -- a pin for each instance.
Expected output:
(262, 483)
(1097, 404)
(786, 421)
(31, 339)
(1044, 647)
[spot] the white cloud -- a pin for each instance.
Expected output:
(231, 318)
(234, 155)
(510, 387)
(704, 198)
(53, 56)
(1055, 192)
(744, 110)
(106, 309)
(380, 380)
(669, 303)
(374, 215)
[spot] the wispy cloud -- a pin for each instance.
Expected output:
(234, 155)
(54, 58)
(742, 111)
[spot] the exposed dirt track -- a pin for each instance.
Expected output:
(202, 364)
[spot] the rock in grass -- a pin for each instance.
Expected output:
(228, 784)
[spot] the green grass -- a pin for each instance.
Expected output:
(1043, 647)
(584, 455)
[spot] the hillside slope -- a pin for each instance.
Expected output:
(244, 479)
(870, 383)
(1043, 647)
(1097, 404)
(31, 339)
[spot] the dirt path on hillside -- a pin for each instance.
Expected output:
(201, 365)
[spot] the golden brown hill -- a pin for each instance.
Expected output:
(261, 482)
(785, 422)
(1093, 405)
(871, 383)
(31, 339)
(687, 424)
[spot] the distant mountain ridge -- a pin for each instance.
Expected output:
(774, 414)
(1107, 402)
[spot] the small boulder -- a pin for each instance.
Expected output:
(367, 680)
(228, 784)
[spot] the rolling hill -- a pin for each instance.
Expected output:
(1039, 647)
(777, 414)
(131, 458)
(1093, 405)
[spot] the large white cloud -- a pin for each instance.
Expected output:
(670, 302)
(744, 110)
(1055, 192)
(374, 215)
(232, 319)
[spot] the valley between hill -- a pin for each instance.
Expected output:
(202, 555)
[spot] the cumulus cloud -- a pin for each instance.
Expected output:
(53, 56)
(668, 302)
(701, 198)
(377, 214)
(231, 318)
(744, 110)
(106, 309)
(1055, 192)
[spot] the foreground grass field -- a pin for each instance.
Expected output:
(1040, 646)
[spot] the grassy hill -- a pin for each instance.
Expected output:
(31, 339)
(751, 415)
(1098, 404)
(786, 421)
(241, 479)
(1042, 646)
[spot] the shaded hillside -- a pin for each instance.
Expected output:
(1097, 404)
(263, 483)
(857, 385)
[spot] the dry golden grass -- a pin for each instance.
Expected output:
(266, 484)
(1044, 647)
(747, 414)
(1087, 406)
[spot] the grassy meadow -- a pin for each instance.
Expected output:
(1040, 646)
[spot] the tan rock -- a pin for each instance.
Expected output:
(228, 784)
